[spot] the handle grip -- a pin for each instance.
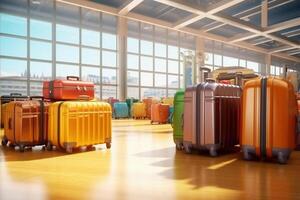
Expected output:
(76, 78)
(84, 97)
(36, 97)
(15, 94)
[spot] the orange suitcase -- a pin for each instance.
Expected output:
(25, 123)
(159, 113)
(148, 102)
(269, 112)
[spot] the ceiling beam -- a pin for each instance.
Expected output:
(283, 25)
(215, 8)
(160, 23)
(127, 7)
(262, 42)
(188, 20)
(222, 5)
(280, 49)
(294, 53)
(264, 13)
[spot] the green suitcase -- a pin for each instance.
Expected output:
(177, 119)
(130, 102)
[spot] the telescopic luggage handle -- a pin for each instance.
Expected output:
(72, 78)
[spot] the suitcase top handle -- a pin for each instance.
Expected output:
(15, 94)
(73, 78)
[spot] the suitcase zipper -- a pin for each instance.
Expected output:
(263, 117)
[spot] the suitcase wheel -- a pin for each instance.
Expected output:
(69, 149)
(178, 146)
(21, 148)
(4, 141)
(49, 146)
(213, 152)
(282, 159)
(187, 148)
(108, 145)
(247, 155)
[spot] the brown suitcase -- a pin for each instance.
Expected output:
(211, 117)
(268, 119)
(25, 123)
(159, 113)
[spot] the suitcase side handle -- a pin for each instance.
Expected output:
(72, 78)
(36, 97)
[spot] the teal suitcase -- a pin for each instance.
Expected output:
(120, 110)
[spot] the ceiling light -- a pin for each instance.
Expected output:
(246, 19)
(36, 2)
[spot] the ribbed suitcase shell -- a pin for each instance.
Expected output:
(149, 101)
(6, 99)
(74, 124)
(68, 89)
(24, 124)
(120, 110)
(211, 117)
(178, 118)
(159, 113)
(276, 138)
(139, 110)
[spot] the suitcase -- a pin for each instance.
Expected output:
(211, 117)
(130, 102)
(177, 124)
(112, 101)
(148, 102)
(159, 113)
(168, 100)
(6, 99)
(268, 119)
(25, 123)
(139, 111)
(75, 124)
(70, 89)
(171, 112)
(120, 110)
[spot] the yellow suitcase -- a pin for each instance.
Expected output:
(139, 110)
(168, 100)
(74, 124)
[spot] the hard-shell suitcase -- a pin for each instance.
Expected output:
(70, 89)
(25, 123)
(139, 111)
(74, 124)
(269, 112)
(6, 99)
(171, 112)
(130, 102)
(112, 101)
(168, 100)
(148, 102)
(177, 124)
(120, 110)
(211, 117)
(159, 113)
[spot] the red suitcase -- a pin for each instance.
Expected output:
(159, 113)
(70, 89)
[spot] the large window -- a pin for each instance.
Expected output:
(33, 48)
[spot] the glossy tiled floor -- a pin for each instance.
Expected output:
(143, 164)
